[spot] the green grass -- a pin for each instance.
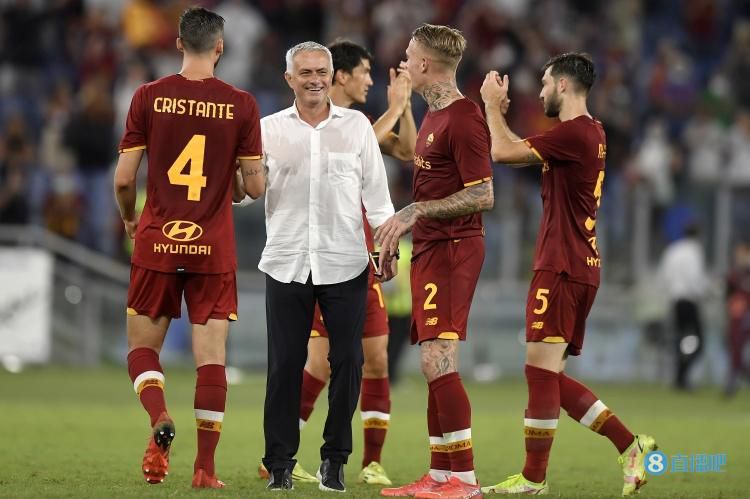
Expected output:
(81, 433)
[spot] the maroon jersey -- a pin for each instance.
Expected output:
(452, 152)
(573, 152)
(193, 132)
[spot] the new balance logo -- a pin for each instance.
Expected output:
(432, 321)
(537, 325)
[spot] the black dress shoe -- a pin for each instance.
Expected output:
(331, 476)
(280, 479)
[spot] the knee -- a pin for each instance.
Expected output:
(432, 370)
(376, 364)
(349, 357)
(210, 354)
(318, 368)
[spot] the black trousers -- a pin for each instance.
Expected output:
(688, 339)
(289, 315)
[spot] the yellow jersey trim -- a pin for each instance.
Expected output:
(128, 149)
(534, 150)
(249, 157)
(132, 311)
(232, 316)
(314, 333)
(553, 339)
(476, 182)
(448, 335)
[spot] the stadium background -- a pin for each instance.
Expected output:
(671, 91)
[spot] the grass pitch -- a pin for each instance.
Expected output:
(81, 433)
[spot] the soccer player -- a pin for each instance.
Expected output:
(195, 127)
(452, 185)
(566, 267)
(351, 83)
(738, 315)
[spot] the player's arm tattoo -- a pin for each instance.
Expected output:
(254, 171)
(472, 199)
(440, 94)
(408, 215)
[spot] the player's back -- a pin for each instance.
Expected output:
(193, 132)
(574, 153)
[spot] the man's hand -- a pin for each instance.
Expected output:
(131, 226)
(388, 234)
(495, 91)
(388, 268)
(399, 90)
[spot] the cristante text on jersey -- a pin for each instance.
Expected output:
(192, 107)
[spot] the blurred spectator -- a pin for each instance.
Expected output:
(135, 75)
(738, 313)
(739, 147)
(682, 271)
(245, 27)
(90, 136)
(654, 160)
(145, 25)
(738, 63)
(16, 155)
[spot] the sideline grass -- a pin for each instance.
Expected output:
(81, 433)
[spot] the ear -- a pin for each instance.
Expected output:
(178, 43)
(341, 77)
(220, 46)
(288, 79)
(424, 65)
(562, 84)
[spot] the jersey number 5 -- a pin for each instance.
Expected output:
(591, 222)
(192, 153)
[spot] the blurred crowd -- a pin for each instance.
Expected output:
(671, 92)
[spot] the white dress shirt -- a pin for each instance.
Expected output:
(318, 180)
(683, 271)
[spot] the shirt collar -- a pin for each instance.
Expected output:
(334, 110)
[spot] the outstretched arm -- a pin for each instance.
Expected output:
(472, 199)
(401, 145)
(507, 147)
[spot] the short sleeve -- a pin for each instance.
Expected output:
(559, 144)
(250, 143)
(134, 137)
(470, 146)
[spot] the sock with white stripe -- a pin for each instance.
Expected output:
(210, 399)
(454, 411)
(375, 406)
(540, 423)
(440, 461)
(586, 408)
(148, 381)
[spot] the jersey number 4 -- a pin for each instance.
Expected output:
(195, 181)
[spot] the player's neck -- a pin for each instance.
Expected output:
(197, 67)
(313, 114)
(441, 94)
(339, 97)
(573, 110)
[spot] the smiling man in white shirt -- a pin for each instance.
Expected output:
(323, 164)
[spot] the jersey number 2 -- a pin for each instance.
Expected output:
(192, 153)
